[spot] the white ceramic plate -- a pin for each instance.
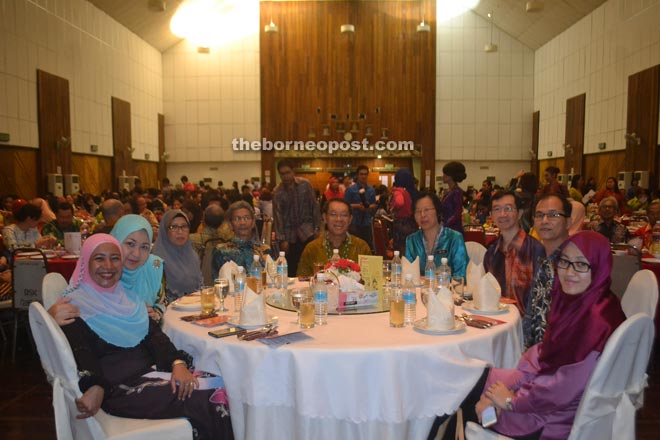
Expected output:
(651, 260)
(70, 257)
(36, 257)
(234, 321)
(188, 303)
(468, 306)
(420, 326)
(29, 254)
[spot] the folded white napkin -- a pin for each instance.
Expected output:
(227, 272)
(72, 242)
(348, 284)
(440, 308)
(473, 275)
(410, 268)
(253, 311)
(270, 263)
(487, 295)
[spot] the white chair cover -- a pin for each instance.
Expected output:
(475, 251)
(614, 392)
(641, 295)
(60, 366)
(52, 287)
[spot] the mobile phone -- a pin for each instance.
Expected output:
(191, 318)
(224, 332)
(488, 417)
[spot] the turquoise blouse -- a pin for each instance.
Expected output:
(450, 245)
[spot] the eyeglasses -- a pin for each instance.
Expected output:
(506, 209)
(245, 218)
(341, 215)
(538, 215)
(424, 211)
(607, 207)
(578, 266)
(180, 228)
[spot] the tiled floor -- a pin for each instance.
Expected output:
(26, 410)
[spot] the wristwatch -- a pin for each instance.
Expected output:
(507, 403)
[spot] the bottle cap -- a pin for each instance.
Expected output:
(430, 258)
(444, 260)
(335, 251)
(320, 276)
(255, 257)
(396, 253)
(281, 253)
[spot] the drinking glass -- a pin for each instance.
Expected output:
(221, 289)
(207, 300)
(295, 296)
(307, 311)
(458, 284)
(387, 271)
(318, 267)
(396, 308)
(271, 269)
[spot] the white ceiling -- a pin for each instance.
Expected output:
(531, 29)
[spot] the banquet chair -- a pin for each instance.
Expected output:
(624, 267)
(207, 261)
(614, 391)
(29, 267)
(475, 251)
(641, 295)
(60, 366)
(52, 287)
(380, 237)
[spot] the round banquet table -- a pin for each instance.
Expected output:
(357, 379)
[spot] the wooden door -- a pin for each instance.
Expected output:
(642, 123)
(574, 136)
(122, 144)
(54, 122)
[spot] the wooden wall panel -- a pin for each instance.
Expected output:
(603, 165)
(319, 84)
(95, 172)
(19, 168)
(121, 140)
(147, 172)
(574, 137)
(534, 165)
(162, 166)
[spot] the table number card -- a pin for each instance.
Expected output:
(371, 268)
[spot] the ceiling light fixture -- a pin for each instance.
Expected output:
(534, 6)
(347, 28)
(490, 47)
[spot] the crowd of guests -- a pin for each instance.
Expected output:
(146, 248)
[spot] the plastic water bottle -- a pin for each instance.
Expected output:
(335, 256)
(444, 274)
(654, 248)
(320, 300)
(282, 272)
(396, 270)
(429, 272)
(239, 288)
(409, 301)
(254, 275)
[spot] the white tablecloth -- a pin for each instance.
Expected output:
(358, 378)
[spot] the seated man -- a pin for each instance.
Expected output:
(244, 244)
(337, 218)
(512, 259)
(112, 210)
(213, 218)
(64, 222)
(615, 232)
(645, 232)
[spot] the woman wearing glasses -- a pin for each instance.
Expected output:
(540, 397)
(244, 244)
(435, 239)
(182, 268)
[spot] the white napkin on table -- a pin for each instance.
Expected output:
(253, 311)
(440, 309)
(410, 268)
(269, 263)
(227, 272)
(348, 284)
(473, 275)
(488, 293)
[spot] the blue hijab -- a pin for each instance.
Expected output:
(145, 281)
(117, 317)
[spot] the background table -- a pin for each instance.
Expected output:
(358, 378)
(64, 267)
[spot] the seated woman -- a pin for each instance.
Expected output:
(243, 245)
(435, 239)
(183, 274)
(142, 273)
(24, 232)
(115, 343)
(540, 397)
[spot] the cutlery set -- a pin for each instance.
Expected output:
(265, 331)
(473, 322)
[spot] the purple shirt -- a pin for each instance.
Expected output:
(547, 401)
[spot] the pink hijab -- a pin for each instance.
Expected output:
(81, 273)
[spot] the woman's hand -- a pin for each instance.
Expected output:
(62, 312)
(153, 314)
(182, 377)
(482, 404)
(90, 402)
(498, 393)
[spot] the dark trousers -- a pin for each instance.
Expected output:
(470, 414)
(293, 256)
(364, 232)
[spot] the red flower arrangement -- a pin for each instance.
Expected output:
(345, 267)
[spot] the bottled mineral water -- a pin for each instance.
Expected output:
(254, 275)
(335, 256)
(396, 270)
(409, 301)
(282, 272)
(429, 272)
(239, 288)
(320, 300)
(444, 274)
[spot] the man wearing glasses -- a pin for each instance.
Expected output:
(337, 218)
(513, 258)
(608, 226)
(552, 220)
